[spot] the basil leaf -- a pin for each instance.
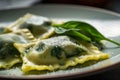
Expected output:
(71, 32)
(81, 30)
(60, 30)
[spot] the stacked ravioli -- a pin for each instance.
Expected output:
(32, 41)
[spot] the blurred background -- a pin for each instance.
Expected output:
(113, 5)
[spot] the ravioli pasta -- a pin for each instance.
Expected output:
(9, 55)
(32, 41)
(50, 53)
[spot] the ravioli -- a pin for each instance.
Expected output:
(42, 44)
(24, 30)
(9, 55)
(37, 25)
(56, 53)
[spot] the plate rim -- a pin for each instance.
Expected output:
(97, 9)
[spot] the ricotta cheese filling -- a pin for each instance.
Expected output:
(49, 54)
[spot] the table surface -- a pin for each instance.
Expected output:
(113, 74)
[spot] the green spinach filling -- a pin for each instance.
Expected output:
(7, 50)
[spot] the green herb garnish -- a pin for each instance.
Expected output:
(81, 30)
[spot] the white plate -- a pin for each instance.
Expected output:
(106, 22)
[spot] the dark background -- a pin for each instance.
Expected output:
(113, 5)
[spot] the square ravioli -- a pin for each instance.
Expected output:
(56, 53)
(9, 55)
